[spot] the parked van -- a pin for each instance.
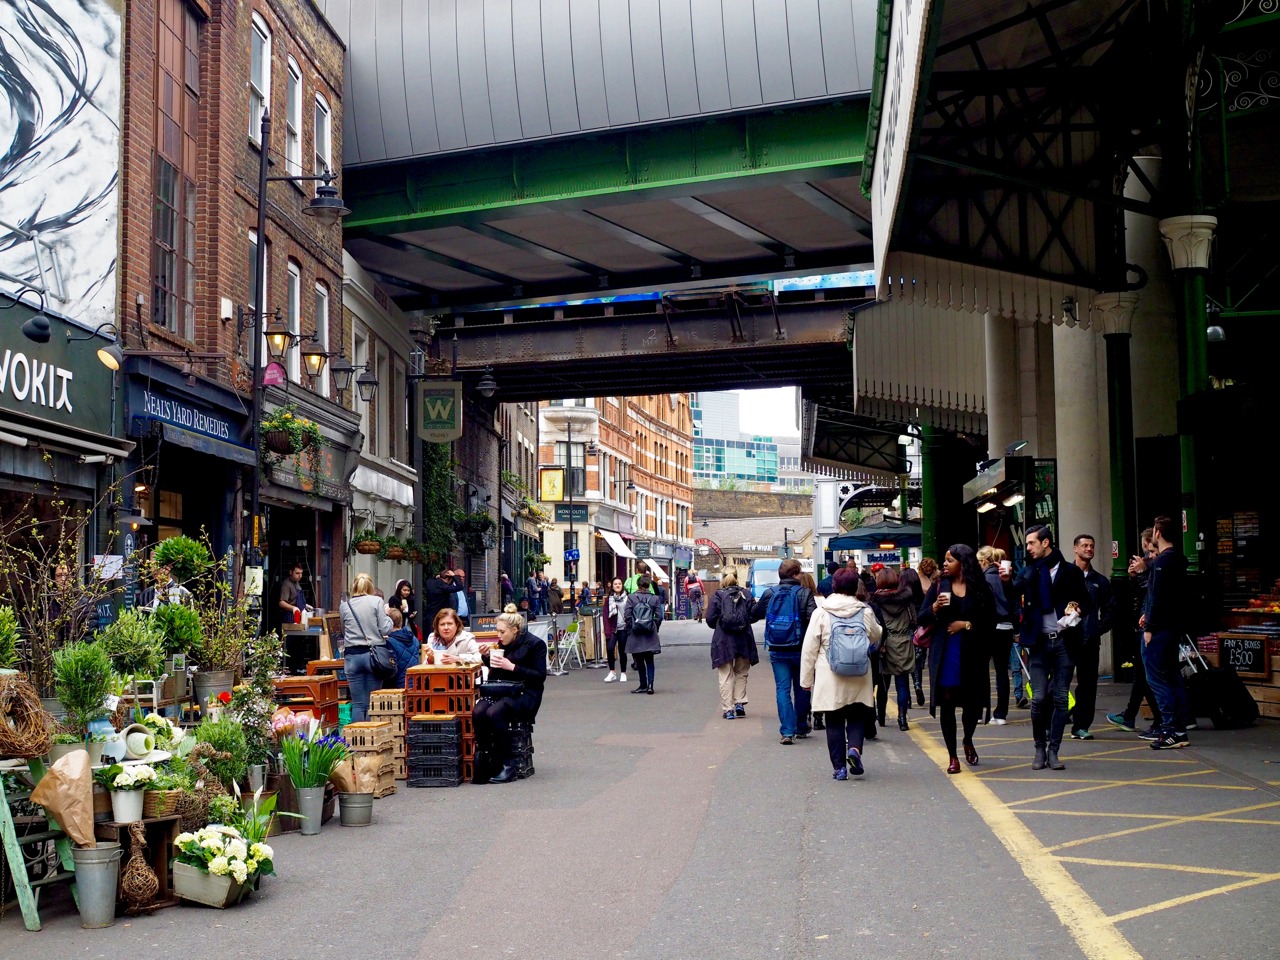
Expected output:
(763, 575)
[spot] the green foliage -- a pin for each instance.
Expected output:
(473, 531)
(311, 761)
(186, 559)
(225, 735)
(514, 481)
(853, 518)
(179, 628)
(371, 536)
(252, 702)
(437, 505)
(8, 637)
(82, 681)
(222, 809)
(535, 560)
(134, 643)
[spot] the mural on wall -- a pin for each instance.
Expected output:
(60, 153)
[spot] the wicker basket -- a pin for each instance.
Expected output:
(368, 546)
(160, 803)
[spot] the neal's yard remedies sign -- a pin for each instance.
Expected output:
(60, 381)
(440, 410)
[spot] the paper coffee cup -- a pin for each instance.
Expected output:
(1006, 566)
(945, 596)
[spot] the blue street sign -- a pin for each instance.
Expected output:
(572, 555)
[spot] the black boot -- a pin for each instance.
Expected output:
(506, 774)
(1041, 761)
(919, 695)
(902, 721)
(1051, 758)
(819, 720)
(641, 689)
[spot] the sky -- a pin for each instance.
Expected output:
(769, 413)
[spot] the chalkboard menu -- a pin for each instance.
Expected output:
(1247, 653)
(483, 621)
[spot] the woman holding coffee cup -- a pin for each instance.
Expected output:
(518, 656)
(961, 610)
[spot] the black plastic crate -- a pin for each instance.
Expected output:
(441, 752)
(434, 731)
(434, 773)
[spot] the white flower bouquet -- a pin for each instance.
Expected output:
(223, 851)
(138, 776)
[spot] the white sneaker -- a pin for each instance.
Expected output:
(613, 676)
(999, 721)
(622, 678)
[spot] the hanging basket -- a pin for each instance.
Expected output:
(396, 553)
(279, 441)
(368, 546)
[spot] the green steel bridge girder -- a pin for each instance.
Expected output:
(815, 141)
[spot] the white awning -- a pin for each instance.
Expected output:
(617, 544)
(657, 570)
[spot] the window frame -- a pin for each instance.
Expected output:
(323, 300)
(293, 120)
(293, 318)
(322, 108)
(259, 94)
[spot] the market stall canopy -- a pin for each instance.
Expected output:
(616, 544)
(657, 571)
(884, 535)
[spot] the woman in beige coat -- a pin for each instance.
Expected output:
(848, 702)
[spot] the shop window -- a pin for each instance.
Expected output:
(259, 76)
(169, 515)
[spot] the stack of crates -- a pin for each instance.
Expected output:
(375, 737)
(435, 750)
(445, 691)
(388, 706)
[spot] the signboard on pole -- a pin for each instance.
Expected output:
(551, 484)
(440, 410)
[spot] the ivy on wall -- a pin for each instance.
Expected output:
(437, 504)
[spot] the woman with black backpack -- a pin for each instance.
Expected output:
(644, 619)
(733, 645)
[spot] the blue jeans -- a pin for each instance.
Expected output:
(793, 700)
(1015, 670)
(1160, 658)
(1050, 666)
(362, 681)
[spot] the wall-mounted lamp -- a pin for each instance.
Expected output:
(314, 357)
(1215, 334)
(987, 506)
(1014, 447)
(1013, 498)
(36, 328)
(1069, 309)
(487, 386)
(367, 385)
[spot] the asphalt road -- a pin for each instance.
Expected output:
(653, 828)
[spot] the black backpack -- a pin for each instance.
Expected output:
(735, 609)
(645, 616)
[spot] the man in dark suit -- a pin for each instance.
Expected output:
(1054, 603)
(440, 592)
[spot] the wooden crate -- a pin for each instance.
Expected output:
(427, 679)
(160, 832)
(402, 769)
(369, 735)
(398, 748)
(385, 702)
(386, 785)
(459, 704)
(321, 688)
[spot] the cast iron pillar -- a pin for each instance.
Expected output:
(928, 493)
(1116, 312)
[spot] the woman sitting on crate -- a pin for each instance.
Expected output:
(450, 642)
(520, 657)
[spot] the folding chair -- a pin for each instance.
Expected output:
(569, 647)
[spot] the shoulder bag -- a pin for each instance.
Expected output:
(381, 660)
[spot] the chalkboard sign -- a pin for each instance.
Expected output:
(1248, 654)
(483, 621)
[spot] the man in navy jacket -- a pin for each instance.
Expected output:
(1161, 623)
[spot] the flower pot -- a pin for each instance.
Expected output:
(59, 750)
(159, 803)
(368, 547)
(355, 809)
(95, 752)
(210, 683)
(257, 776)
(278, 441)
(311, 806)
(126, 805)
(200, 886)
(138, 741)
(396, 553)
(53, 706)
(97, 875)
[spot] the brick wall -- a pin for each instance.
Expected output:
(478, 467)
(732, 504)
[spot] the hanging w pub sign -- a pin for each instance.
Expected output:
(440, 410)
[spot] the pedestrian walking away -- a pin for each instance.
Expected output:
(897, 613)
(961, 611)
(643, 615)
(1097, 622)
(990, 560)
(1053, 602)
(733, 644)
(786, 608)
(926, 571)
(615, 632)
(1127, 719)
(693, 588)
(842, 636)
(365, 625)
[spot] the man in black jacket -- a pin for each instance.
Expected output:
(1049, 589)
(438, 593)
(1161, 624)
(1097, 621)
(783, 641)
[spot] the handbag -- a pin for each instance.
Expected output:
(922, 638)
(381, 660)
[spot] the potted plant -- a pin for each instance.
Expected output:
(226, 630)
(413, 551)
(309, 760)
(179, 627)
(287, 435)
(8, 639)
(127, 786)
(393, 549)
(225, 736)
(253, 703)
(134, 643)
(217, 865)
(161, 796)
(471, 530)
(82, 680)
(64, 743)
(186, 559)
(213, 708)
(366, 541)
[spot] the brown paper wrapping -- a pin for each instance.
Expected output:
(367, 767)
(66, 793)
(343, 777)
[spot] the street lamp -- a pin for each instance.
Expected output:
(367, 384)
(327, 208)
(342, 370)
